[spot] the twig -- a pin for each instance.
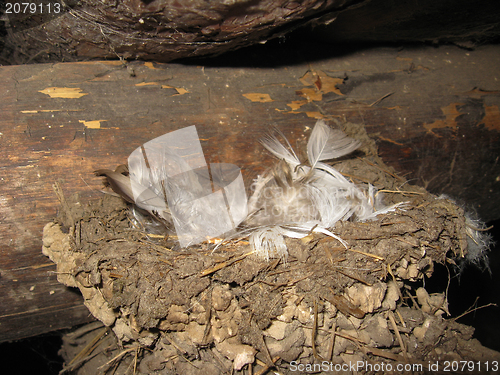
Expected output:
(355, 278)
(263, 346)
(398, 335)
(399, 192)
(121, 354)
(413, 300)
(367, 254)
(266, 367)
(135, 359)
(349, 337)
(89, 347)
(226, 263)
(208, 316)
(401, 319)
(332, 342)
(314, 332)
(86, 354)
(480, 229)
(470, 309)
(84, 330)
(42, 266)
(375, 351)
(181, 351)
(380, 99)
(289, 283)
(383, 354)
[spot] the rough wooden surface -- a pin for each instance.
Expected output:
(160, 30)
(433, 112)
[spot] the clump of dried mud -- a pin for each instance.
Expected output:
(203, 311)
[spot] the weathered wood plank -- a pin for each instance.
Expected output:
(59, 122)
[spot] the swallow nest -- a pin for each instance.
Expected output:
(213, 310)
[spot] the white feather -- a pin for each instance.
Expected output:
(326, 143)
(269, 243)
(302, 230)
(275, 147)
(331, 205)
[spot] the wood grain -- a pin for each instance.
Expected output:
(439, 127)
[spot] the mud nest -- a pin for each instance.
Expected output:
(202, 310)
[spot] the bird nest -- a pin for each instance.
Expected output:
(210, 309)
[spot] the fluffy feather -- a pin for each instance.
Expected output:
(268, 242)
(294, 199)
(275, 147)
(478, 242)
(326, 143)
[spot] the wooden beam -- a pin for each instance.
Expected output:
(433, 112)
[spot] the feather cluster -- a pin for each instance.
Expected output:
(169, 179)
(295, 198)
